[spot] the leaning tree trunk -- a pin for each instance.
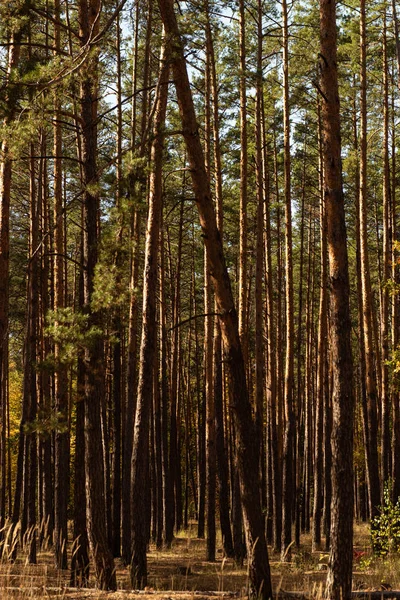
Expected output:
(341, 554)
(258, 563)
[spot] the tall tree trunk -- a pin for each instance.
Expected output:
(371, 443)
(321, 351)
(30, 374)
(397, 38)
(259, 320)
(288, 488)
(258, 563)
(117, 391)
(168, 491)
(139, 471)
(220, 446)
(386, 256)
(272, 388)
(45, 483)
(208, 331)
(80, 546)
(10, 105)
(137, 184)
(243, 185)
(300, 378)
(395, 320)
(341, 554)
(61, 458)
(89, 12)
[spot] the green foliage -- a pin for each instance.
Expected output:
(70, 330)
(104, 294)
(47, 422)
(385, 528)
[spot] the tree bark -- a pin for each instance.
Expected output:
(341, 554)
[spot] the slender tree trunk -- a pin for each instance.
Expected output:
(327, 455)
(397, 38)
(80, 546)
(259, 320)
(242, 312)
(395, 322)
(322, 349)
(45, 483)
(139, 471)
(300, 378)
(341, 554)
(288, 488)
(208, 332)
(61, 458)
(220, 447)
(137, 184)
(89, 12)
(210, 415)
(30, 374)
(369, 360)
(117, 386)
(158, 484)
(272, 388)
(10, 105)
(386, 256)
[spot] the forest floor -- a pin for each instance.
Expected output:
(181, 573)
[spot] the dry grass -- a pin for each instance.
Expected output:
(182, 573)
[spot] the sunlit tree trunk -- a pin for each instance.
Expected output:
(341, 553)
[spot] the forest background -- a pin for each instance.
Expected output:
(92, 150)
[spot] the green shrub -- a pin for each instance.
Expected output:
(385, 528)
